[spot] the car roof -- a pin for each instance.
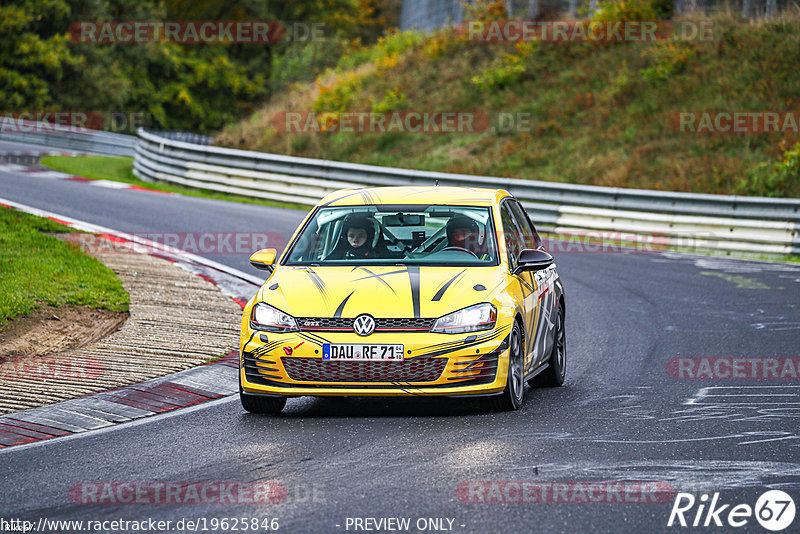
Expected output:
(459, 196)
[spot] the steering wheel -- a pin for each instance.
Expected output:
(460, 249)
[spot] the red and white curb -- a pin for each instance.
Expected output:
(179, 390)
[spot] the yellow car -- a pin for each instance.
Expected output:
(405, 291)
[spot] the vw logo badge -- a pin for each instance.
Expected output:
(364, 325)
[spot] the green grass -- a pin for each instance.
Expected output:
(39, 269)
(121, 170)
(599, 114)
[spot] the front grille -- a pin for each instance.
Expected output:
(318, 370)
(340, 324)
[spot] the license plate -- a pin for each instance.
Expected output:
(361, 351)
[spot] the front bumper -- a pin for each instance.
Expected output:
(435, 364)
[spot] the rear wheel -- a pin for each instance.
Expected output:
(556, 370)
(263, 405)
(511, 398)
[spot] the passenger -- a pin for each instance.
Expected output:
(463, 233)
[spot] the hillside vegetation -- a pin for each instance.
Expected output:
(47, 64)
(599, 113)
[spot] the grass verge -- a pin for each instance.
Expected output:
(121, 170)
(39, 269)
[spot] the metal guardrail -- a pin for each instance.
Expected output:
(70, 138)
(186, 137)
(702, 221)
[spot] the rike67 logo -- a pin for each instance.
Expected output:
(774, 510)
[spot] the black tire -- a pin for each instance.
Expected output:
(556, 371)
(262, 405)
(514, 393)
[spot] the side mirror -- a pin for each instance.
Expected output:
(533, 260)
(264, 259)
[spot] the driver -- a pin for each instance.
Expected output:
(356, 241)
(463, 233)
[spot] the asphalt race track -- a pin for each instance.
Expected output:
(624, 414)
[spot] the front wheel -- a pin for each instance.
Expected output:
(511, 398)
(262, 405)
(556, 370)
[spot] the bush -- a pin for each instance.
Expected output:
(626, 10)
(667, 60)
(339, 95)
(392, 101)
(508, 70)
(302, 63)
(779, 179)
(444, 42)
(485, 10)
(393, 44)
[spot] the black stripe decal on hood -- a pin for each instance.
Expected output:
(413, 277)
(340, 309)
(379, 277)
(438, 296)
(319, 283)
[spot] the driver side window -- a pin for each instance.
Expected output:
(530, 237)
(513, 236)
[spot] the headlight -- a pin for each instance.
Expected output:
(265, 317)
(472, 319)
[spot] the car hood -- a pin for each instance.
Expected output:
(381, 291)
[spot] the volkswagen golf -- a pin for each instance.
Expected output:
(405, 291)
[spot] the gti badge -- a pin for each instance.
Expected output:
(364, 325)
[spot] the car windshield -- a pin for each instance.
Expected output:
(414, 234)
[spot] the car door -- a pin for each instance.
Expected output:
(542, 282)
(515, 242)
